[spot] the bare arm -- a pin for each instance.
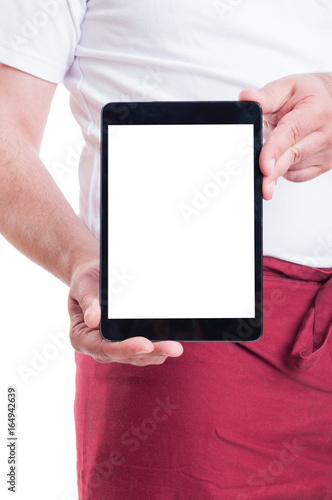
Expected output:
(37, 219)
(34, 215)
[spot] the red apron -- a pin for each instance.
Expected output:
(222, 421)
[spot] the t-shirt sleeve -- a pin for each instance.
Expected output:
(40, 36)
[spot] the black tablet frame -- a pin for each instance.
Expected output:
(172, 113)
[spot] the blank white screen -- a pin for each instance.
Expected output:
(181, 221)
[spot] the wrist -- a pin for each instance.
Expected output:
(84, 250)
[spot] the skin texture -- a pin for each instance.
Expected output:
(36, 218)
(85, 316)
(298, 117)
(34, 215)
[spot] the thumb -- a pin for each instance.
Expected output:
(272, 97)
(92, 314)
(85, 291)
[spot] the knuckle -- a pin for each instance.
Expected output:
(295, 153)
(292, 128)
(327, 136)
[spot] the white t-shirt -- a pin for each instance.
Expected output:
(127, 50)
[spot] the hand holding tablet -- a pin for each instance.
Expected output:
(181, 221)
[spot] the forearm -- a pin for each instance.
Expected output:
(34, 215)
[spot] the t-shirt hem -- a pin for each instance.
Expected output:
(28, 64)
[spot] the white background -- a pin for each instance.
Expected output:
(184, 239)
(33, 320)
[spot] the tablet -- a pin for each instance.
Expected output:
(181, 221)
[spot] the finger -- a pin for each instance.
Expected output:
(299, 157)
(168, 347)
(133, 351)
(83, 339)
(321, 159)
(272, 97)
(291, 129)
(299, 152)
(310, 167)
(89, 342)
(140, 346)
(92, 314)
(268, 188)
(85, 290)
(305, 174)
(123, 354)
(155, 360)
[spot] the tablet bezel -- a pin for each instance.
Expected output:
(173, 113)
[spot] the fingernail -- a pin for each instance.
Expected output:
(143, 352)
(272, 187)
(271, 166)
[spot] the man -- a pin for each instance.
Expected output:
(214, 421)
